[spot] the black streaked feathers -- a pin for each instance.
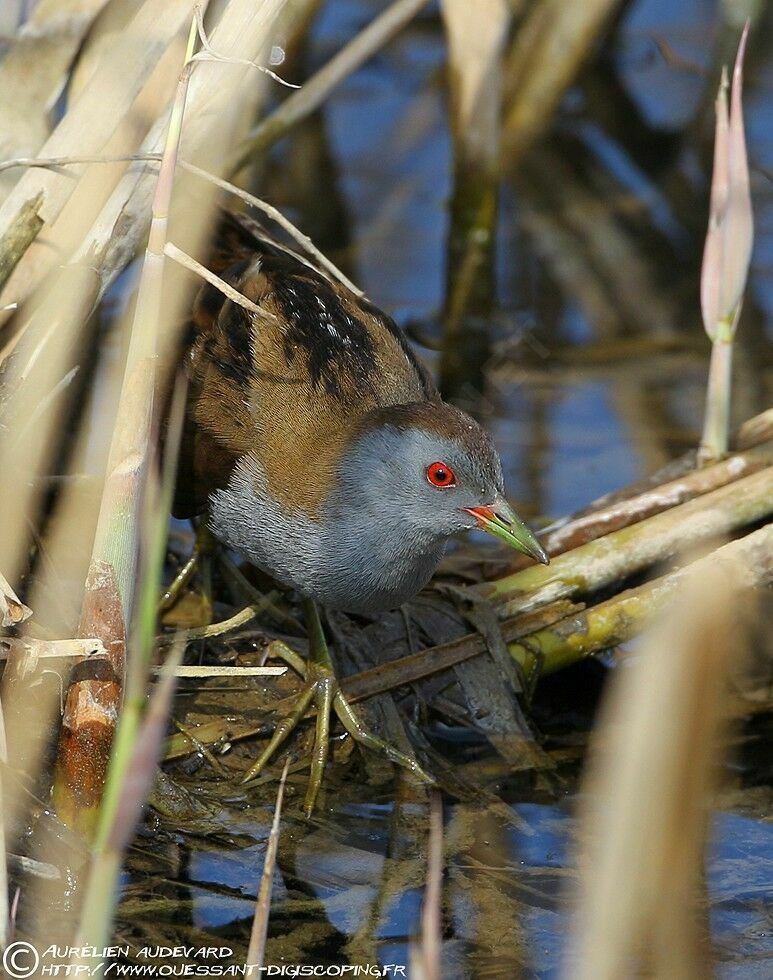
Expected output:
(323, 319)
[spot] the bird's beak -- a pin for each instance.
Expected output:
(501, 520)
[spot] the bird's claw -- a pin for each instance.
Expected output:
(322, 689)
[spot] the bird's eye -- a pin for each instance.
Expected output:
(440, 475)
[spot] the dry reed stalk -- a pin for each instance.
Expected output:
(5, 916)
(640, 905)
(25, 445)
(214, 106)
(566, 634)
(626, 510)
(86, 128)
(96, 183)
(275, 215)
(187, 262)
(91, 710)
(602, 562)
(189, 670)
(214, 629)
(755, 431)
(267, 209)
(550, 47)
(626, 615)
(476, 35)
(33, 72)
(101, 888)
(136, 749)
(32, 650)
(303, 102)
(11, 16)
(216, 98)
(257, 948)
(556, 636)
(25, 453)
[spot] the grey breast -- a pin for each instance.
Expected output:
(345, 561)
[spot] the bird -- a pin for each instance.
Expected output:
(317, 446)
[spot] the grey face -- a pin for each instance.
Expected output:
(418, 482)
(401, 492)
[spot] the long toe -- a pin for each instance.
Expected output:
(325, 692)
(354, 725)
(283, 729)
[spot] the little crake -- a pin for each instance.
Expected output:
(320, 450)
(319, 445)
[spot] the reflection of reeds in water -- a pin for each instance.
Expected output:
(476, 36)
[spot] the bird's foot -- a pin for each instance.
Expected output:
(322, 689)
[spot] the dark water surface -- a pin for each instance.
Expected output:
(597, 378)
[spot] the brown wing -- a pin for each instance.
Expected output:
(289, 386)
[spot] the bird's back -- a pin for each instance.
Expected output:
(287, 387)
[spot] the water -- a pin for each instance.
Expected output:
(575, 415)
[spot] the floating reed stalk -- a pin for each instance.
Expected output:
(603, 562)
(627, 614)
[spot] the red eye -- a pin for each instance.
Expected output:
(440, 475)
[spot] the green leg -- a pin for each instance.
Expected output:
(203, 548)
(322, 687)
(183, 577)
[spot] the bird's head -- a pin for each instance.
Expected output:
(428, 471)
